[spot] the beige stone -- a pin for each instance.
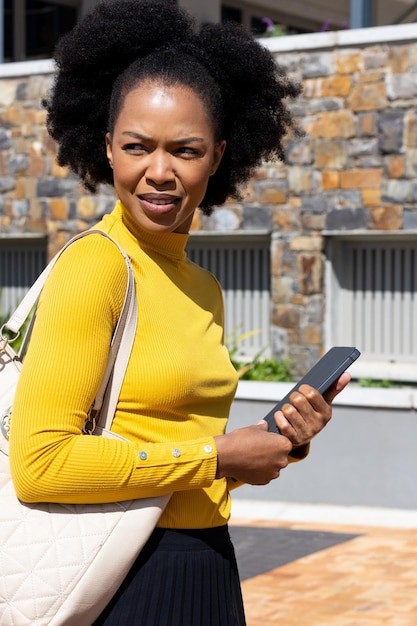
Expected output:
(388, 217)
(361, 179)
(311, 335)
(368, 97)
(330, 155)
(86, 207)
(349, 63)
(396, 166)
(58, 209)
(306, 244)
(334, 124)
(371, 197)
(330, 179)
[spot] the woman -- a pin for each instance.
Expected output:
(175, 120)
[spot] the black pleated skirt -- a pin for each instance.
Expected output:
(181, 578)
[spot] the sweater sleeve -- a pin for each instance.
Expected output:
(50, 459)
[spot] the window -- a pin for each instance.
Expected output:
(32, 27)
(372, 300)
(241, 263)
(21, 262)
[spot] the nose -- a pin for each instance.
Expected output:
(160, 168)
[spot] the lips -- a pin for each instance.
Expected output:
(159, 203)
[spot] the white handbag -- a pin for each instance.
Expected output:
(61, 564)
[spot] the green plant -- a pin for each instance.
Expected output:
(257, 368)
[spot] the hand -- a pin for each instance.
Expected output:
(308, 413)
(252, 454)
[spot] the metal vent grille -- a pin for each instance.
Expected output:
(21, 262)
(242, 266)
(373, 298)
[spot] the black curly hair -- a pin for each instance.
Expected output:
(121, 43)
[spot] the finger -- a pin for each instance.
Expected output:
(337, 387)
(262, 424)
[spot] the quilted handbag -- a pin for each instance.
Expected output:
(60, 564)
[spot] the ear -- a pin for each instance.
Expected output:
(109, 150)
(219, 149)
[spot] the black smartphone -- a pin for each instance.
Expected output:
(321, 376)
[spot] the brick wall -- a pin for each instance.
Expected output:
(355, 169)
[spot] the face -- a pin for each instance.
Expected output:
(163, 152)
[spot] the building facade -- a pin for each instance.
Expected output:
(320, 251)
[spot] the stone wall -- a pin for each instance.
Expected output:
(354, 170)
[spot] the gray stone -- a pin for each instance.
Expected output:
(314, 65)
(56, 187)
(21, 92)
(410, 219)
(4, 140)
(398, 191)
(325, 104)
(343, 198)
(20, 208)
(401, 86)
(346, 219)
(222, 219)
(391, 128)
(362, 147)
(7, 183)
(279, 343)
(257, 218)
(314, 311)
(314, 204)
(18, 163)
(299, 152)
(411, 163)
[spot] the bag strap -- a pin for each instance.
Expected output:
(105, 402)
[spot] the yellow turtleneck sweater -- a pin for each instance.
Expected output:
(176, 394)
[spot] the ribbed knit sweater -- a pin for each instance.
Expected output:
(176, 394)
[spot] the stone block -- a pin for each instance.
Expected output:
(366, 146)
(18, 164)
(346, 219)
(368, 97)
(222, 219)
(398, 59)
(286, 218)
(389, 217)
(311, 335)
(399, 191)
(401, 86)
(58, 209)
(336, 87)
(410, 219)
(371, 76)
(330, 155)
(313, 204)
(395, 166)
(310, 268)
(299, 180)
(286, 316)
(20, 208)
(257, 218)
(7, 183)
(349, 62)
(7, 92)
(330, 179)
(317, 105)
(375, 57)
(314, 65)
(411, 163)
(86, 207)
(371, 197)
(410, 128)
(306, 244)
(313, 222)
(271, 192)
(361, 178)
(313, 313)
(299, 152)
(5, 142)
(334, 124)
(56, 187)
(367, 124)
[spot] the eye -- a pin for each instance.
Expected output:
(134, 148)
(187, 151)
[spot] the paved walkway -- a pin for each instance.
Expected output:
(366, 576)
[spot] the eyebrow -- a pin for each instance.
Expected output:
(181, 140)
